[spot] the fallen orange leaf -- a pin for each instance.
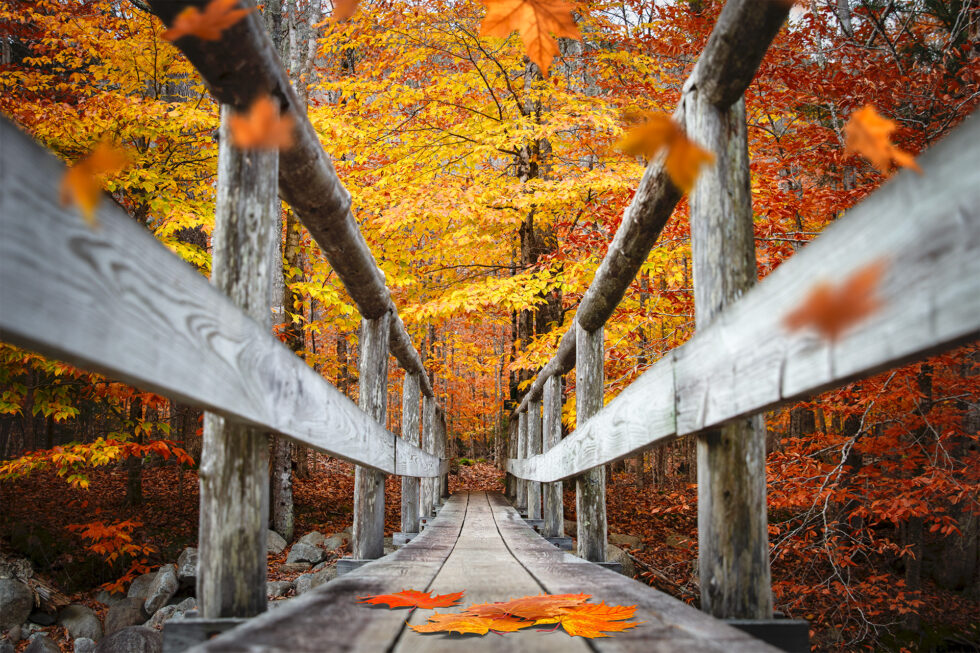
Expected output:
(684, 157)
(869, 133)
(535, 21)
(468, 623)
(591, 620)
(344, 9)
(412, 599)
(262, 126)
(529, 607)
(831, 310)
(81, 185)
(218, 16)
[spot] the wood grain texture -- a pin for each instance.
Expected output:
(442, 450)
(368, 531)
(234, 469)
(427, 500)
(522, 454)
(116, 301)
(927, 229)
(590, 486)
(733, 535)
(410, 434)
(243, 65)
(551, 493)
(533, 449)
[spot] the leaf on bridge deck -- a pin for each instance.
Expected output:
(467, 623)
(529, 607)
(658, 131)
(218, 16)
(831, 310)
(535, 21)
(591, 620)
(81, 186)
(262, 127)
(413, 599)
(868, 133)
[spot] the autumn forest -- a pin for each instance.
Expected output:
(490, 154)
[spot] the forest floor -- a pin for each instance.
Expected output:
(37, 509)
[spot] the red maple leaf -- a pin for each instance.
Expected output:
(412, 599)
(830, 309)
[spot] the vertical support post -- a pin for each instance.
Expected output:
(368, 532)
(533, 449)
(235, 459)
(733, 539)
(554, 510)
(410, 433)
(590, 487)
(522, 453)
(428, 499)
(442, 443)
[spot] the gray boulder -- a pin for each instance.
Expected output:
(187, 568)
(135, 639)
(306, 582)
(304, 552)
(42, 618)
(615, 554)
(41, 643)
(274, 542)
(168, 612)
(108, 598)
(6, 646)
(292, 567)
(275, 589)
(626, 541)
(14, 635)
(126, 613)
(16, 603)
(84, 645)
(164, 586)
(81, 621)
(313, 538)
(140, 587)
(335, 541)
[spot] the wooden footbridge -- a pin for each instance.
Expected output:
(113, 299)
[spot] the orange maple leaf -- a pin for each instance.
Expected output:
(869, 133)
(658, 131)
(412, 599)
(535, 21)
(344, 9)
(81, 185)
(262, 126)
(529, 607)
(218, 16)
(468, 623)
(591, 620)
(831, 310)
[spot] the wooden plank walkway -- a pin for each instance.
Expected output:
(477, 543)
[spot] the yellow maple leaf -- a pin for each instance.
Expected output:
(591, 620)
(535, 21)
(869, 134)
(657, 132)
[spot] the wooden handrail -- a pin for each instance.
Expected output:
(924, 229)
(115, 300)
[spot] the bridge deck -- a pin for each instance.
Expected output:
(478, 543)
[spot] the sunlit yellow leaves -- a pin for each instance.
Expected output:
(868, 133)
(535, 21)
(218, 16)
(262, 127)
(81, 185)
(656, 132)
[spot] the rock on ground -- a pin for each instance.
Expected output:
(335, 541)
(306, 582)
(168, 612)
(313, 538)
(84, 645)
(140, 587)
(6, 646)
(187, 568)
(305, 552)
(135, 639)
(626, 541)
(276, 588)
(108, 598)
(81, 621)
(164, 586)
(16, 603)
(41, 643)
(126, 613)
(42, 618)
(291, 567)
(274, 542)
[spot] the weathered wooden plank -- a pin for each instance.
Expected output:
(554, 509)
(428, 491)
(533, 449)
(522, 454)
(410, 434)
(243, 65)
(747, 361)
(329, 618)
(590, 486)
(368, 531)
(235, 458)
(442, 450)
(733, 536)
(669, 624)
(115, 300)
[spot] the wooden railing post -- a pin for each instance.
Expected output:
(521, 504)
(533, 449)
(442, 442)
(368, 531)
(733, 551)
(410, 433)
(590, 487)
(428, 498)
(235, 459)
(554, 510)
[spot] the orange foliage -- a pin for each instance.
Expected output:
(658, 132)
(832, 310)
(81, 185)
(262, 127)
(218, 16)
(535, 21)
(869, 134)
